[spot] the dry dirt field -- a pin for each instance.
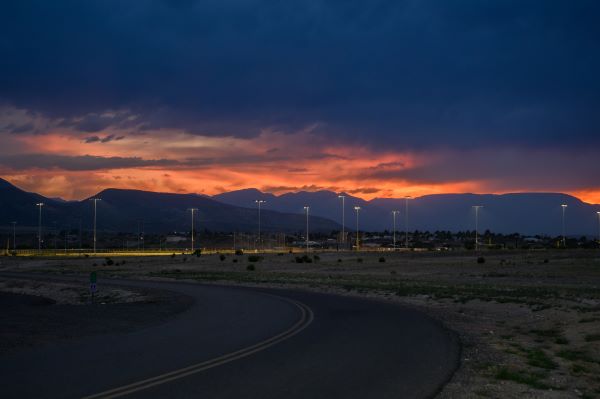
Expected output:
(529, 321)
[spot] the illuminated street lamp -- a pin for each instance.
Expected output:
(357, 209)
(14, 235)
(95, 204)
(477, 207)
(343, 197)
(259, 202)
(394, 213)
(564, 238)
(598, 213)
(192, 210)
(306, 208)
(406, 219)
(40, 205)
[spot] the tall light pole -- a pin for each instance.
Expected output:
(477, 207)
(564, 238)
(306, 208)
(357, 209)
(343, 197)
(259, 202)
(394, 213)
(40, 205)
(406, 219)
(14, 235)
(192, 210)
(598, 213)
(95, 205)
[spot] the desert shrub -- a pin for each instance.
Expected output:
(239, 252)
(184, 259)
(198, 252)
(359, 260)
(222, 257)
(546, 261)
(172, 255)
(381, 259)
(250, 267)
(234, 260)
(87, 255)
(316, 258)
(481, 259)
(254, 258)
(280, 254)
(123, 262)
(109, 262)
(303, 259)
(339, 260)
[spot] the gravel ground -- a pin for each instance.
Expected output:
(29, 320)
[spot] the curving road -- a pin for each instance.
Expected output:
(247, 343)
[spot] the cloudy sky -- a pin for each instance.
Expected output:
(377, 98)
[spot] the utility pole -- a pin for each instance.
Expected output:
(357, 209)
(192, 210)
(259, 202)
(95, 206)
(40, 205)
(343, 197)
(394, 213)
(306, 208)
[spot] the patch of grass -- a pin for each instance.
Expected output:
(561, 341)
(589, 320)
(533, 380)
(576, 355)
(254, 258)
(592, 337)
(578, 369)
(539, 358)
(250, 267)
(548, 333)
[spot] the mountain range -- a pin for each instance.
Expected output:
(130, 210)
(123, 210)
(525, 213)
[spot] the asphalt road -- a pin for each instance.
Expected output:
(247, 343)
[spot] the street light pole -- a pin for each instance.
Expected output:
(343, 197)
(357, 208)
(14, 235)
(394, 213)
(564, 238)
(40, 205)
(259, 202)
(192, 210)
(406, 219)
(477, 207)
(95, 204)
(598, 213)
(306, 208)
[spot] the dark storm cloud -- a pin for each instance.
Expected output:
(406, 73)
(77, 163)
(105, 139)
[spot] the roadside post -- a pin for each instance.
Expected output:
(93, 287)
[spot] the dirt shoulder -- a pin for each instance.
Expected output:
(34, 312)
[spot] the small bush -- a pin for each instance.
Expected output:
(393, 272)
(172, 255)
(109, 262)
(359, 260)
(481, 259)
(316, 258)
(222, 257)
(382, 260)
(339, 260)
(198, 252)
(254, 258)
(280, 254)
(303, 259)
(234, 260)
(184, 259)
(250, 267)
(123, 262)
(239, 252)
(546, 261)
(87, 255)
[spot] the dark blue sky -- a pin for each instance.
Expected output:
(413, 96)
(419, 72)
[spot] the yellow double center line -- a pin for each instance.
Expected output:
(305, 319)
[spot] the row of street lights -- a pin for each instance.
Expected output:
(306, 210)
